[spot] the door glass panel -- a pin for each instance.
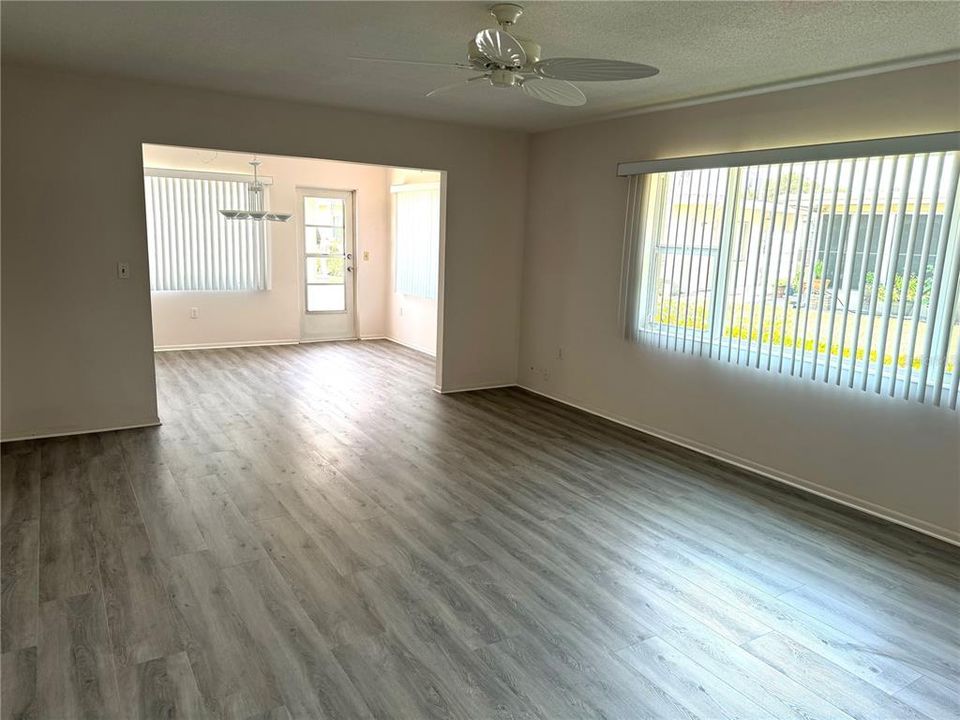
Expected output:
(328, 271)
(326, 298)
(324, 241)
(323, 211)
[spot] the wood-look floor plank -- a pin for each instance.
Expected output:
(139, 613)
(934, 700)
(308, 677)
(701, 694)
(161, 689)
(231, 673)
(227, 535)
(166, 513)
(19, 585)
(19, 545)
(18, 685)
(852, 695)
(68, 556)
(334, 603)
(75, 668)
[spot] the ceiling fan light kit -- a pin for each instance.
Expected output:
(507, 61)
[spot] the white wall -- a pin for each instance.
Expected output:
(274, 315)
(893, 457)
(411, 321)
(77, 342)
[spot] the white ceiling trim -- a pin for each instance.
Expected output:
(807, 81)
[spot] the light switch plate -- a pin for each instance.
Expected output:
(123, 270)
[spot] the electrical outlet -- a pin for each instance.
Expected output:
(194, 313)
(366, 255)
(123, 270)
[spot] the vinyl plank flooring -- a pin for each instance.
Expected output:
(313, 532)
(166, 513)
(309, 679)
(418, 623)
(19, 546)
(161, 689)
(68, 557)
(231, 673)
(75, 670)
(701, 694)
(934, 700)
(139, 612)
(19, 585)
(224, 531)
(852, 695)
(334, 603)
(18, 685)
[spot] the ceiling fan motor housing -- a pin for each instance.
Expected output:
(504, 78)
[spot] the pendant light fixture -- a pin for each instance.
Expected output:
(256, 210)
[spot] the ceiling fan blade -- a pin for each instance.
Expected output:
(454, 86)
(557, 92)
(588, 69)
(461, 66)
(501, 47)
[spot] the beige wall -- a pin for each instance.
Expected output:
(274, 315)
(77, 342)
(894, 457)
(411, 321)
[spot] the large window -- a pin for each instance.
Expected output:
(841, 270)
(194, 248)
(417, 239)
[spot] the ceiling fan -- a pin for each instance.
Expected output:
(506, 61)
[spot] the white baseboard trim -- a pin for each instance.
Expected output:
(851, 501)
(431, 352)
(374, 337)
(221, 346)
(66, 433)
(311, 341)
(471, 388)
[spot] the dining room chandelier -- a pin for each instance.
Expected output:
(255, 203)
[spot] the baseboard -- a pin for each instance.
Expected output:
(221, 346)
(67, 433)
(851, 501)
(471, 388)
(311, 341)
(431, 352)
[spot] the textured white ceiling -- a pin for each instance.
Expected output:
(299, 50)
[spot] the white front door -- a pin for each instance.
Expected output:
(327, 267)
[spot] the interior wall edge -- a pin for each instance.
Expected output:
(808, 486)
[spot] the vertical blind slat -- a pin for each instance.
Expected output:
(191, 247)
(846, 271)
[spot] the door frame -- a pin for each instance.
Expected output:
(306, 191)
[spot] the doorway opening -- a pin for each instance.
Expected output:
(340, 251)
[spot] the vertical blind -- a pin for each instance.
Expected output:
(841, 270)
(194, 248)
(417, 239)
